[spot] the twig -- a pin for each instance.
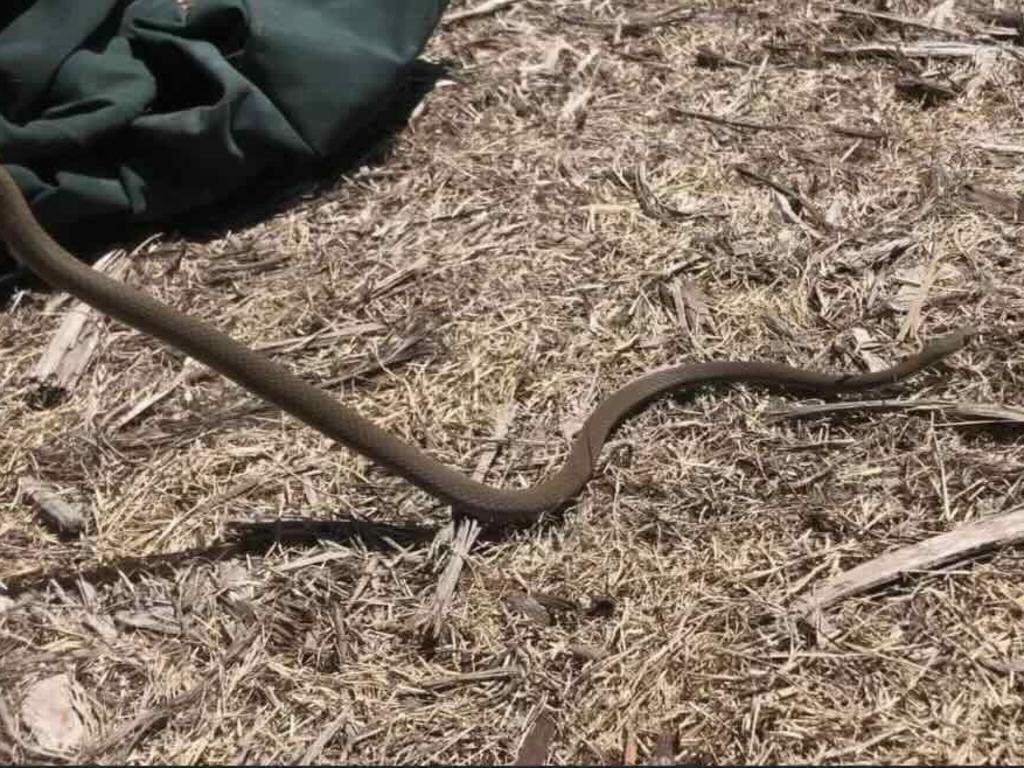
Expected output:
(860, 747)
(1006, 149)
(927, 89)
(904, 21)
(395, 279)
(983, 412)
(966, 541)
(712, 59)
(872, 134)
(655, 208)
(467, 678)
(735, 122)
(634, 25)
(790, 194)
(484, 9)
(245, 484)
(126, 737)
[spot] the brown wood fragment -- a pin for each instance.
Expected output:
(395, 279)
(634, 25)
(159, 619)
(65, 517)
(537, 741)
(529, 607)
(904, 21)
(226, 272)
(587, 652)
(968, 540)
(555, 603)
(872, 134)
(665, 748)
(190, 372)
(464, 536)
(653, 206)
(52, 709)
(929, 90)
(1012, 666)
(241, 486)
(712, 59)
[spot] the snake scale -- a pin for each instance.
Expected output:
(36, 250)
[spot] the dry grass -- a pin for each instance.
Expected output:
(502, 254)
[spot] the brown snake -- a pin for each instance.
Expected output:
(31, 245)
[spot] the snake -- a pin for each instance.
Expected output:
(31, 245)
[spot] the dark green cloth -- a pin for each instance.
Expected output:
(140, 110)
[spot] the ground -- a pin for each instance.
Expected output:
(582, 197)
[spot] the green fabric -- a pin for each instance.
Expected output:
(118, 110)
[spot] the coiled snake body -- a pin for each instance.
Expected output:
(30, 243)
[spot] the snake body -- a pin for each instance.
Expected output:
(30, 244)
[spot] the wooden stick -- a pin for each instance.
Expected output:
(968, 540)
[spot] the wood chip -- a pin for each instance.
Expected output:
(159, 619)
(905, 21)
(968, 540)
(735, 122)
(653, 206)
(929, 90)
(537, 741)
(587, 652)
(123, 739)
(463, 535)
(58, 513)
(77, 338)
(529, 607)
